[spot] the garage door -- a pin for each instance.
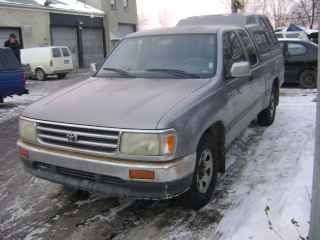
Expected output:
(93, 50)
(125, 29)
(64, 36)
(5, 32)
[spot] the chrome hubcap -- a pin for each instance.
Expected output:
(308, 80)
(205, 171)
(40, 75)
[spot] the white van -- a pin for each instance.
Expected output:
(44, 61)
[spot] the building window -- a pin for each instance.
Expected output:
(125, 4)
(113, 4)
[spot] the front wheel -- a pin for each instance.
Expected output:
(40, 74)
(266, 117)
(205, 176)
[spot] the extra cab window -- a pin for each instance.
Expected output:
(296, 49)
(232, 52)
(262, 42)
(65, 52)
(248, 44)
(56, 52)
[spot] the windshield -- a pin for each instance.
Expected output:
(188, 55)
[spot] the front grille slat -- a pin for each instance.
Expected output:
(92, 135)
(80, 138)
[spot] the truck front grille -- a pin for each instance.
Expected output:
(78, 137)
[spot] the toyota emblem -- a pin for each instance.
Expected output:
(72, 137)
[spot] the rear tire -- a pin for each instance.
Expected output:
(205, 176)
(1, 99)
(61, 75)
(266, 117)
(308, 79)
(40, 75)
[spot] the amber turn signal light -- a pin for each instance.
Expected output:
(141, 174)
(24, 153)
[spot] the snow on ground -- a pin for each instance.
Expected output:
(271, 199)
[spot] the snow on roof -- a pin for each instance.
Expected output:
(63, 5)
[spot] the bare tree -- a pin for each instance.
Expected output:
(143, 21)
(276, 10)
(164, 18)
(304, 12)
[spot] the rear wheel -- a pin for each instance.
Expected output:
(308, 79)
(62, 75)
(205, 176)
(40, 74)
(266, 117)
(1, 99)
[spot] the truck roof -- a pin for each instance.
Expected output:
(230, 19)
(205, 29)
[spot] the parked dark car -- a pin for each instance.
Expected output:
(300, 62)
(12, 76)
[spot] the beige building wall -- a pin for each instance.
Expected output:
(35, 25)
(114, 17)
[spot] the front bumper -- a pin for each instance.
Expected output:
(109, 176)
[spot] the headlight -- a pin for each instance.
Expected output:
(148, 144)
(27, 130)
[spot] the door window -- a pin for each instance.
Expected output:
(251, 50)
(296, 49)
(232, 52)
(262, 42)
(65, 52)
(56, 52)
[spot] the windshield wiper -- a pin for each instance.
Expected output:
(118, 70)
(175, 72)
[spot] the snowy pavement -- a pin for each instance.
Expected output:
(13, 106)
(264, 195)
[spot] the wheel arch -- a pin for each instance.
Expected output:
(276, 84)
(217, 135)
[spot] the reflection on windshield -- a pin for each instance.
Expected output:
(187, 54)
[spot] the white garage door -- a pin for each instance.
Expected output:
(64, 36)
(4, 34)
(125, 29)
(93, 51)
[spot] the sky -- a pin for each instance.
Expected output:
(162, 13)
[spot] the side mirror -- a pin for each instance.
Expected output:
(93, 68)
(241, 69)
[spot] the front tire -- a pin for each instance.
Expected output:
(308, 79)
(205, 176)
(266, 117)
(40, 75)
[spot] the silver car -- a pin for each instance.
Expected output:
(155, 121)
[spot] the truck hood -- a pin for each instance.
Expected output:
(115, 102)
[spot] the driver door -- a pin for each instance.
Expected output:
(239, 89)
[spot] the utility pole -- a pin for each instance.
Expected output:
(315, 208)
